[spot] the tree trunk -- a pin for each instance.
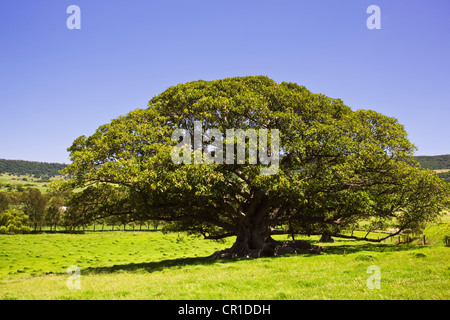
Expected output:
(326, 238)
(256, 243)
(253, 237)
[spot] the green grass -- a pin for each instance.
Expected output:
(152, 265)
(11, 182)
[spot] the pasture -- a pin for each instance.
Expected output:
(153, 265)
(10, 183)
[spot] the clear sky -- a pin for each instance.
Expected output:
(57, 84)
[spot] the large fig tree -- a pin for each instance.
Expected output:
(338, 170)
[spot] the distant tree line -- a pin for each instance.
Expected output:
(29, 210)
(434, 162)
(38, 170)
(32, 211)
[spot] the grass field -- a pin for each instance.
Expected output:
(12, 183)
(442, 170)
(152, 265)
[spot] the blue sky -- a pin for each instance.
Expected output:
(57, 84)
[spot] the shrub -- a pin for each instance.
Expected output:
(364, 257)
(14, 229)
(25, 229)
(13, 221)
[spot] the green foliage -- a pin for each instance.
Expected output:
(13, 221)
(4, 201)
(340, 169)
(34, 204)
(54, 211)
(43, 209)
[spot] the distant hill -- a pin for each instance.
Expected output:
(441, 162)
(434, 162)
(36, 169)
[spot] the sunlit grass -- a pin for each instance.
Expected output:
(10, 182)
(152, 265)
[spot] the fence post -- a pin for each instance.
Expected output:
(423, 239)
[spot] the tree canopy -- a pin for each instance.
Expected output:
(339, 170)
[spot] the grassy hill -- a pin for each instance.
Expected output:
(440, 164)
(17, 175)
(434, 162)
(39, 170)
(10, 183)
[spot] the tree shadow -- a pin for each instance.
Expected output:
(178, 263)
(370, 247)
(157, 265)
